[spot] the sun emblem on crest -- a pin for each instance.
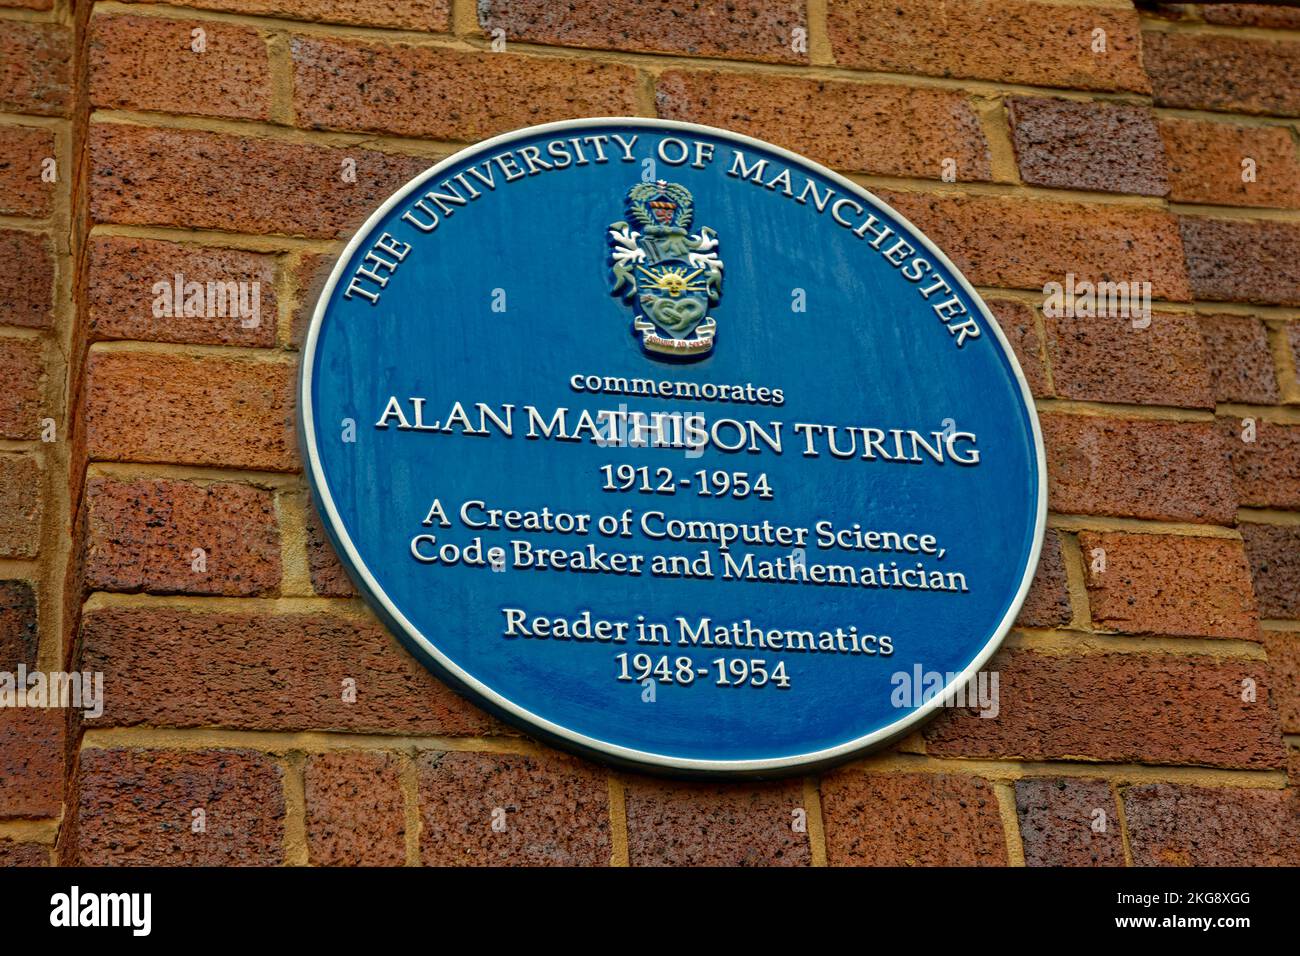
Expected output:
(671, 277)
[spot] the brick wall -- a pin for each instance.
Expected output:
(213, 138)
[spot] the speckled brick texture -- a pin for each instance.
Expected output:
(35, 68)
(24, 191)
(908, 819)
(158, 64)
(1172, 470)
(740, 30)
(1175, 825)
(345, 85)
(1274, 555)
(233, 413)
(1126, 359)
(1068, 822)
(1048, 602)
(889, 130)
(123, 303)
(677, 824)
(1018, 322)
(1240, 359)
(195, 179)
(1016, 41)
(1238, 260)
(1203, 71)
(26, 279)
(430, 15)
(140, 807)
(14, 853)
(1228, 165)
(484, 809)
(1093, 146)
(22, 368)
(155, 524)
(1120, 707)
(1265, 460)
(32, 761)
(21, 506)
(169, 537)
(254, 671)
(355, 809)
(18, 621)
(1169, 584)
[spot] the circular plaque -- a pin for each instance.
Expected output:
(673, 448)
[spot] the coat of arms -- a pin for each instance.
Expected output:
(670, 276)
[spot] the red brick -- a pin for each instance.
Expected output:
(739, 30)
(1097, 146)
(1048, 602)
(20, 506)
(142, 535)
(1119, 708)
(1060, 824)
(31, 761)
(23, 854)
(1170, 584)
(1240, 359)
(1215, 72)
(23, 151)
(428, 15)
(1233, 260)
(680, 824)
(22, 369)
(1274, 553)
(343, 84)
(911, 819)
(1022, 244)
(195, 411)
(549, 811)
(201, 180)
(310, 274)
(1283, 649)
(135, 808)
(263, 671)
(1251, 15)
(18, 622)
(1018, 324)
(1205, 164)
(149, 63)
(1010, 40)
(1133, 468)
(888, 130)
(122, 302)
(1267, 470)
(26, 279)
(1107, 359)
(35, 68)
(327, 575)
(1174, 825)
(355, 812)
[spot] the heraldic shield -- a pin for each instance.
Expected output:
(671, 277)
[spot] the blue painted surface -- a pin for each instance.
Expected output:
(868, 351)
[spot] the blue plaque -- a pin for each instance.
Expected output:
(672, 447)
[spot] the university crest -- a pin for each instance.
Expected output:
(671, 277)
